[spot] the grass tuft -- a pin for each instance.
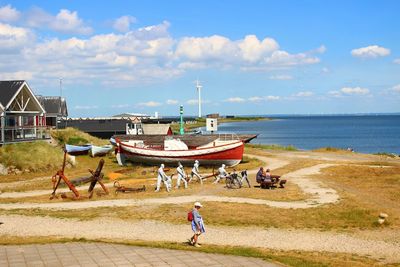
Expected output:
(32, 156)
(73, 136)
(273, 147)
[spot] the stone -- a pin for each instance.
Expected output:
(381, 221)
(71, 160)
(383, 215)
(3, 170)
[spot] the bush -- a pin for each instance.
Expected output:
(32, 156)
(74, 136)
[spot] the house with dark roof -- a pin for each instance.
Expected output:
(56, 109)
(22, 117)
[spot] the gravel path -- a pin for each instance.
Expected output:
(320, 196)
(104, 228)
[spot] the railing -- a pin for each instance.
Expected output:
(228, 137)
(25, 133)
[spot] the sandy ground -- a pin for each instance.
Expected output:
(320, 195)
(382, 245)
(271, 238)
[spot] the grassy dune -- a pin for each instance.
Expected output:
(35, 156)
(74, 136)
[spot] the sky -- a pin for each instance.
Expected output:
(251, 57)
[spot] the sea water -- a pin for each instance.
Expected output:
(363, 133)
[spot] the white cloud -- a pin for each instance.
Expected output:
(65, 21)
(284, 59)
(235, 100)
(396, 88)
(348, 91)
(397, 61)
(150, 104)
(253, 50)
(205, 48)
(250, 53)
(272, 98)
(335, 93)
(9, 14)
(304, 94)
(321, 49)
(354, 91)
(192, 102)
(372, 51)
(19, 75)
(145, 55)
(123, 24)
(255, 99)
(86, 107)
(13, 38)
(172, 102)
(120, 106)
(282, 77)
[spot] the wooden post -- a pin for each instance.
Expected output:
(3, 122)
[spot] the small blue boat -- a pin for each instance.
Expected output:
(77, 150)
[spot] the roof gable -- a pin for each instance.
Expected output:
(54, 105)
(22, 99)
(8, 89)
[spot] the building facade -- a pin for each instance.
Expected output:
(22, 117)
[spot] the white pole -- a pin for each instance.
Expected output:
(198, 86)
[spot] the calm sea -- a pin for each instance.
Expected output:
(366, 133)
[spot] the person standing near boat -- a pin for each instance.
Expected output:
(181, 176)
(162, 177)
(195, 172)
(221, 173)
(197, 224)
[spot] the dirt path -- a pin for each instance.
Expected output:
(320, 196)
(270, 162)
(272, 238)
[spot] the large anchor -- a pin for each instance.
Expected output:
(96, 177)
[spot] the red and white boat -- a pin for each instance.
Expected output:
(228, 152)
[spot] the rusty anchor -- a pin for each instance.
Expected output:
(96, 177)
(124, 189)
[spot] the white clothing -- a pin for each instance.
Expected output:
(221, 174)
(162, 177)
(181, 177)
(195, 172)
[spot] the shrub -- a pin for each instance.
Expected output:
(34, 156)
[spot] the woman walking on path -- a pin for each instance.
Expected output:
(197, 224)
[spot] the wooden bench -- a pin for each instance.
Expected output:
(275, 179)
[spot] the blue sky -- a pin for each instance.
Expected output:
(253, 57)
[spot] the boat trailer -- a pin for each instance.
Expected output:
(96, 177)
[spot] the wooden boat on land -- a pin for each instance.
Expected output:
(191, 140)
(100, 150)
(77, 150)
(217, 152)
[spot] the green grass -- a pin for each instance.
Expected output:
(73, 136)
(390, 155)
(273, 147)
(287, 258)
(32, 156)
(330, 149)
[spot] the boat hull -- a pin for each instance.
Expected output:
(77, 150)
(97, 151)
(229, 155)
